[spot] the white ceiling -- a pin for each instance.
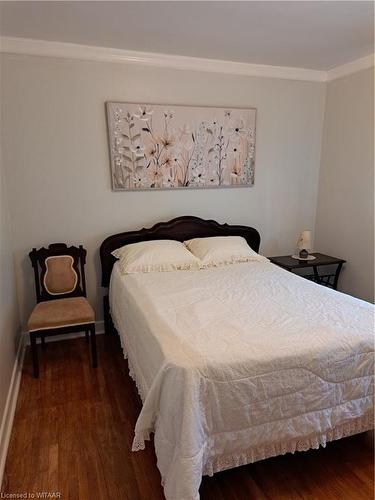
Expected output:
(307, 34)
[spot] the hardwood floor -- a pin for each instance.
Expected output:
(74, 427)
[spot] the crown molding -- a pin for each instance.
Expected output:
(65, 50)
(350, 68)
(91, 53)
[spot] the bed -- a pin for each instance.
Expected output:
(238, 363)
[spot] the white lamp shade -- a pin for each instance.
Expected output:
(304, 241)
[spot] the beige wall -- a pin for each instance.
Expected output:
(9, 314)
(56, 155)
(345, 209)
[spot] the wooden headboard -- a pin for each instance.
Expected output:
(180, 229)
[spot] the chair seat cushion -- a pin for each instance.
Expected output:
(61, 312)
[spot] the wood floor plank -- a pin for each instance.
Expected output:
(73, 431)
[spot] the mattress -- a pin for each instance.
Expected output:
(240, 363)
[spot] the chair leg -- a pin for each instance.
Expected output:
(94, 359)
(87, 335)
(34, 353)
(43, 342)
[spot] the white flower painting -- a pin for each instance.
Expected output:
(166, 147)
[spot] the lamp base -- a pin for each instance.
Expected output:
(309, 257)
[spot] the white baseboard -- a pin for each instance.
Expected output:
(11, 402)
(10, 406)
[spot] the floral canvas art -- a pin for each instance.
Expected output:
(161, 147)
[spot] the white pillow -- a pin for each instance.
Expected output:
(221, 250)
(156, 255)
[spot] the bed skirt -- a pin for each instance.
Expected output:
(354, 426)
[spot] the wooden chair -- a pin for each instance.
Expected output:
(62, 306)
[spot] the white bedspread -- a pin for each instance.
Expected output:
(240, 363)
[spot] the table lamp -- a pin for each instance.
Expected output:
(304, 245)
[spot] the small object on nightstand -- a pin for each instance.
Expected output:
(327, 278)
(304, 245)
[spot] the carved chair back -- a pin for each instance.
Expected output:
(59, 271)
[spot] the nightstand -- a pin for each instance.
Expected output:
(328, 276)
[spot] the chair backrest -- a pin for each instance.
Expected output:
(59, 271)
